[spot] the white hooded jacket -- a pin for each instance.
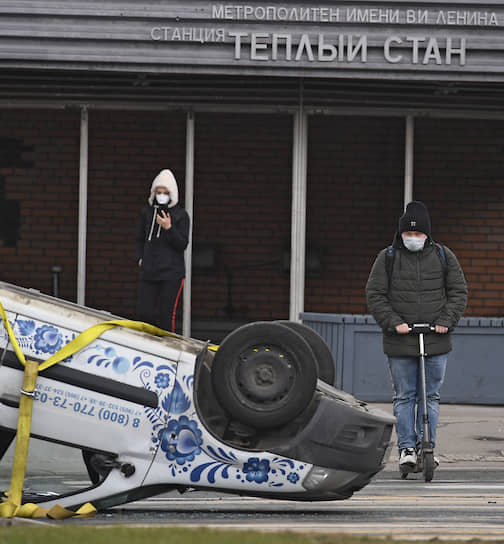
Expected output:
(161, 252)
(166, 179)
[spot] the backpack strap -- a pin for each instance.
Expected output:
(389, 261)
(442, 257)
(442, 253)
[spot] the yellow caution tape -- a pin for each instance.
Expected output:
(12, 338)
(11, 505)
(31, 510)
(93, 333)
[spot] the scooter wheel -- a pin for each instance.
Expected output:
(428, 466)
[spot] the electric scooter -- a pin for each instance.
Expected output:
(425, 460)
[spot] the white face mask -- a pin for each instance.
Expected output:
(413, 243)
(162, 198)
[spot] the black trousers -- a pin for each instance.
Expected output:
(157, 302)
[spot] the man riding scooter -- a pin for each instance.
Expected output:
(416, 280)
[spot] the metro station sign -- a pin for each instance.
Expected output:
(456, 40)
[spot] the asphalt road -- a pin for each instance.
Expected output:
(458, 503)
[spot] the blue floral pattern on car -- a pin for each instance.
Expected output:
(190, 452)
(37, 338)
(47, 339)
(26, 326)
(162, 380)
(107, 356)
(293, 477)
(181, 440)
(257, 470)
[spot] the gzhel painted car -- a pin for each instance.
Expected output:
(257, 416)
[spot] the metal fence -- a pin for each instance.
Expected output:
(475, 372)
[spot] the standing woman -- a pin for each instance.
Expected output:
(162, 236)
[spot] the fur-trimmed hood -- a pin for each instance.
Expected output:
(165, 178)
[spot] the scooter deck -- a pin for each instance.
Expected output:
(411, 469)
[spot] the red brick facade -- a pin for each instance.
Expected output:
(42, 174)
(126, 151)
(242, 203)
(355, 192)
(459, 172)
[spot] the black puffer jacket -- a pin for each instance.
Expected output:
(162, 251)
(421, 290)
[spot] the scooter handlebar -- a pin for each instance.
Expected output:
(418, 328)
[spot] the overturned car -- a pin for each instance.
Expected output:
(256, 416)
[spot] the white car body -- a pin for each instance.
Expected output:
(131, 398)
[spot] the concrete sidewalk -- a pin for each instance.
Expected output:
(468, 437)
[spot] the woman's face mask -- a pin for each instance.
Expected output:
(162, 199)
(413, 243)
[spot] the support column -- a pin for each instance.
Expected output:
(189, 205)
(83, 190)
(298, 221)
(409, 159)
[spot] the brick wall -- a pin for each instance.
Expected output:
(242, 207)
(355, 190)
(242, 203)
(38, 170)
(460, 175)
(126, 151)
(356, 170)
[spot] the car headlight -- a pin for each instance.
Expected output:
(327, 479)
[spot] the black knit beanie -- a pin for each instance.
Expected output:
(416, 217)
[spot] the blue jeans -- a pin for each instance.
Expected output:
(405, 373)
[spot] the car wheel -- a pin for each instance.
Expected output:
(323, 355)
(264, 374)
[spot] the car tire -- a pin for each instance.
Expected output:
(264, 374)
(323, 355)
